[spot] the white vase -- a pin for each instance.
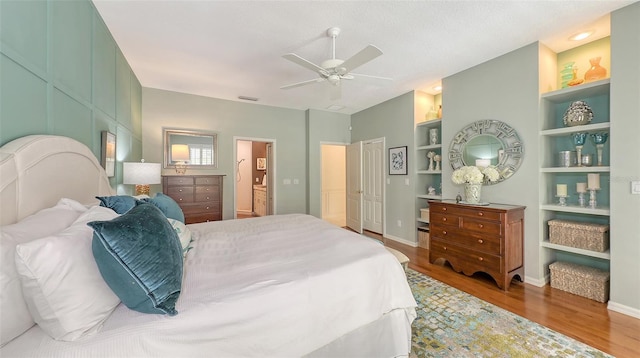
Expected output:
(472, 193)
(433, 136)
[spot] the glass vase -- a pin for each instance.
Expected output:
(472, 193)
(595, 72)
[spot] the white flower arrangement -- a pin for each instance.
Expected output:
(474, 175)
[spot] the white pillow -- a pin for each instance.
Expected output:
(184, 234)
(16, 318)
(62, 285)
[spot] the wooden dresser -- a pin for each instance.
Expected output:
(199, 196)
(260, 200)
(473, 239)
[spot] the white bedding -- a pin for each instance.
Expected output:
(276, 286)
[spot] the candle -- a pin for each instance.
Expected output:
(593, 180)
(483, 163)
(561, 189)
(581, 187)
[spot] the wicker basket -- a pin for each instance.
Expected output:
(424, 214)
(580, 280)
(588, 236)
(423, 237)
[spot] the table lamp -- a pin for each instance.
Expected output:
(142, 175)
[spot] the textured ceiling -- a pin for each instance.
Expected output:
(226, 49)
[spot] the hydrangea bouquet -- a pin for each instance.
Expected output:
(475, 175)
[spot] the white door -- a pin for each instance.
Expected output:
(354, 186)
(372, 186)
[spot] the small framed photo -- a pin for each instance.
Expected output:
(261, 163)
(109, 153)
(398, 161)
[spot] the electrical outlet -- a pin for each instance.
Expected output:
(286, 181)
(296, 181)
(257, 180)
(635, 187)
(399, 223)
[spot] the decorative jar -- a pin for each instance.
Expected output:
(472, 193)
(595, 72)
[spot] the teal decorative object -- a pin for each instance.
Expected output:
(599, 139)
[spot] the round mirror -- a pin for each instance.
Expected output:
(487, 142)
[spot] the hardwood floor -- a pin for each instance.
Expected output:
(583, 319)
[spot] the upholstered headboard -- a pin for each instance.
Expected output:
(38, 170)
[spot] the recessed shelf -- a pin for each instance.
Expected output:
(595, 169)
(602, 211)
(589, 89)
(429, 172)
(602, 255)
(425, 147)
(423, 220)
(431, 123)
(557, 132)
(427, 196)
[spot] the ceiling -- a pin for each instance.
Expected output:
(227, 49)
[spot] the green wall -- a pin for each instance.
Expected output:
(63, 74)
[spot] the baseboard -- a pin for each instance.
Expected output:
(401, 240)
(629, 311)
(536, 281)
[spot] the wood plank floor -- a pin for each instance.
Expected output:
(583, 319)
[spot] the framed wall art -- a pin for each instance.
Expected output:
(261, 163)
(398, 161)
(109, 153)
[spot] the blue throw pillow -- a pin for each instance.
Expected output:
(118, 203)
(168, 206)
(140, 257)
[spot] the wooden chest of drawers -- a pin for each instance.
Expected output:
(473, 239)
(199, 196)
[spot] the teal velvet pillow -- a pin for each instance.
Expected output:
(140, 258)
(118, 203)
(168, 206)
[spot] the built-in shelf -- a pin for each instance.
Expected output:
(558, 132)
(602, 211)
(601, 255)
(429, 171)
(593, 169)
(589, 89)
(427, 147)
(426, 221)
(430, 123)
(427, 196)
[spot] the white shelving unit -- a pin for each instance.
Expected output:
(555, 137)
(426, 178)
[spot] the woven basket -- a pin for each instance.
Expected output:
(423, 237)
(580, 280)
(588, 236)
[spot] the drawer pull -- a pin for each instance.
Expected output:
(444, 232)
(180, 190)
(207, 198)
(480, 241)
(180, 199)
(444, 248)
(444, 209)
(480, 226)
(481, 213)
(444, 219)
(480, 259)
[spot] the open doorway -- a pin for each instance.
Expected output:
(334, 183)
(254, 193)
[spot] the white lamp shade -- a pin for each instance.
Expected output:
(180, 153)
(141, 173)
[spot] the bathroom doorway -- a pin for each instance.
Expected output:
(254, 193)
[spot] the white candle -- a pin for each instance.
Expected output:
(561, 189)
(483, 163)
(593, 181)
(581, 187)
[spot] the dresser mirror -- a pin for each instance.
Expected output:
(195, 149)
(487, 142)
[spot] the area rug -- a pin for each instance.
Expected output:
(452, 323)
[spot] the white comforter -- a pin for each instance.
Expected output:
(279, 286)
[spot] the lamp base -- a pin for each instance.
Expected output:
(142, 189)
(181, 168)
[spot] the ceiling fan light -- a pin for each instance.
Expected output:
(334, 79)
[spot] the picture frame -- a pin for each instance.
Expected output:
(398, 162)
(261, 163)
(108, 160)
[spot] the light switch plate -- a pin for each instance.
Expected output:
(635, 187)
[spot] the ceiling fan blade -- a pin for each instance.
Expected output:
(302, 83)
(371, 77)
(304, 63)
(365, 55)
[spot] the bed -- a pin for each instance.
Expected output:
(277, 286)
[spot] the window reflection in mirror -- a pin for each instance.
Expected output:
(481, 149)
(196, 149)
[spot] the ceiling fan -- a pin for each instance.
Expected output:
(335, 70)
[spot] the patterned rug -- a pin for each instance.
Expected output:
(452, 323)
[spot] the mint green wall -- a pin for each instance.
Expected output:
(392, 120)
(322, 128)
(62, 73)
(625, 162)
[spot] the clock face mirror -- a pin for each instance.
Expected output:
(487, 142)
